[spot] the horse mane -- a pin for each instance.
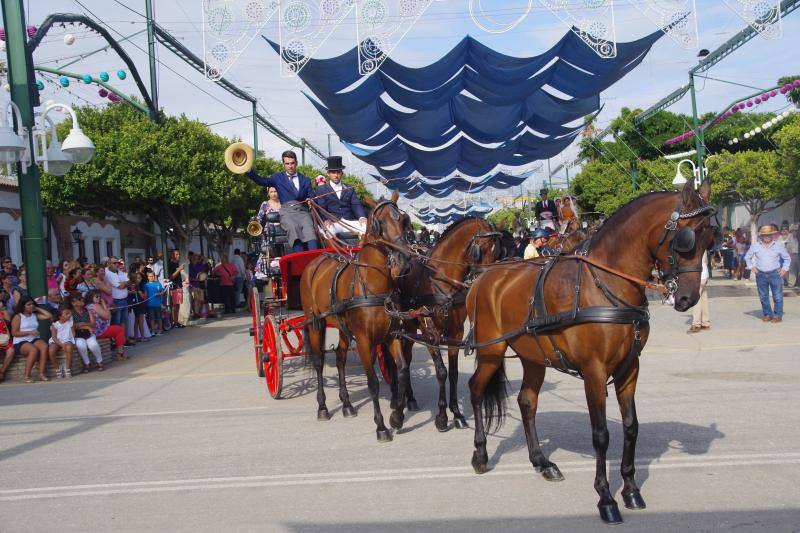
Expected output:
(458, 223)
(611, 224)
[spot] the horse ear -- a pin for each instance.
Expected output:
(705, 190)
(688, 192)
(371, 203)
(395, 197)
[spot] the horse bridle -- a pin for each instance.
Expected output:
(399, 242)
(682, 240)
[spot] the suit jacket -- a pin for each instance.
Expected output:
(347, 207)
(551, 206)
(283, 184)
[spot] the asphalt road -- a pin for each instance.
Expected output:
(185, 438)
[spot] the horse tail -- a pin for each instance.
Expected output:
(494, 399)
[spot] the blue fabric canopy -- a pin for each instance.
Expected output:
(446, 215)
(414, 188)
(468, 112)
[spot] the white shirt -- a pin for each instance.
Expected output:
(114, 279)
(295, 181)
(704, 272)
(63, 331)
(158, 269)
(337, 188)
(239, 263)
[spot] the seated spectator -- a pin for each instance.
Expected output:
(27, 343)
(84, 328)
(6, 346)
(103, 328)
(62, 337)
(52, 278)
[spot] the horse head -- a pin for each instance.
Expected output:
(389, 226)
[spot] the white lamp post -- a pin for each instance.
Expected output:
(13, 146)
(77, 145)
(52, 157)
(679, 180)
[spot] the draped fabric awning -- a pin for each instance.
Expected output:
(415, 187)
(446, 215)
(469, 112)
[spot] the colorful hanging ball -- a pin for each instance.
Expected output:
(783, 90)
(31, 31)
(773, 93)
(64, 81)
(102, 93)
(749, 103)
(113, 97)
(69, 39)
(121, 74)
(758, 100)
(86, 78)
(741, 105)
(788, 87)
(104, 76)
(40, 85)
(2, 34)
(796, 83)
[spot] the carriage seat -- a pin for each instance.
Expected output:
(273, 231)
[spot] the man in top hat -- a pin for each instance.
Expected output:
(341, 212)
(293, 191)
(546, 211)
(768, 259)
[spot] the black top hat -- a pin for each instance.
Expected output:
(335, 163)
(543, 191)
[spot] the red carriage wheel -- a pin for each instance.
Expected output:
(255, 310)
(381, 352)
(273, 357)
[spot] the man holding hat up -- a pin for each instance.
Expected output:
(769, 261)
(343, 212)
(546, 211)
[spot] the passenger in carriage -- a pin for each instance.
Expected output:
(546, 211)
(293, 190)
(342, 210)
(537, 247)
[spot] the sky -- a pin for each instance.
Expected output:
(182, 90)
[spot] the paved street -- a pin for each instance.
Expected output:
(185, 438)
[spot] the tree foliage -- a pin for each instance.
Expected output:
(602, 187)
(794, 95)
(788, 141)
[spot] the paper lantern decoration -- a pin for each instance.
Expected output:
(796, 83)
(31, 31)
(113, 97)
(735, 140)
(2, 34)
(757, 100)
(121, 74)
(773, 93)
(749, 103)
(104, 76)
(102, 93)
(86, 78)
(64, 81)
(747, 135)
(40, 85)
(758, 130)
(69, 39)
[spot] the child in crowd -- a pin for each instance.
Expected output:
(154, 292)
(62, 337)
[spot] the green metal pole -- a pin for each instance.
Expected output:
(151, 54)
(255, 130)
(20, 75)
(567, 169)
(699, 142)
(549, 175)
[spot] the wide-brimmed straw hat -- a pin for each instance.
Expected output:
(769, 229)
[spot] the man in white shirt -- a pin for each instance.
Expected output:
(342, 211)
(118, 280)
(701, 319)
(238, 281)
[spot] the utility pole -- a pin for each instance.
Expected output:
(549, 175)
(151, 55)
(20, 79)
(329, 145)
(302, 151)
(566, 168)
(255, 130)
(699, 142)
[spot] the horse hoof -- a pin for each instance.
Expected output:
(633, 500)
(441, 424)
(349, 411)
(323, 415)
(412, 405)
(384, 435)
(478, 465)
(396, 421)
(609, 513)
(551, 473)
(460, 423)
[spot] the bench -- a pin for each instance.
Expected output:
(16, 370)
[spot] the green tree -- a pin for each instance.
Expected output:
(602, 187)
(751, 178)
(794, 95)
(509, 218)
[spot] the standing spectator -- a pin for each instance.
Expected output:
(238, 280)
(103, 286)
(769, 261)
(103, 328)
(9, 269)
(701, 319)
(137, 305)
(6, 346)
(118, 280)
(153, 294)
(25, 330)
(789, 238)
(226, 272)
(85, 339)
(158, 266)
(741, 251)
(175, 274)
(62, 337)
(197, 267)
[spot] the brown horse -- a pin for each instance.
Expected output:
(437, 283)
(349, 295)
(586, 320)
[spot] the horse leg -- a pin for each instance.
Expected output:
(452, 375)
(411, 402)
(595, 388)
(441, 377)
(364, 346)
(626, 389)
(315, 341)
(392, 368)
(528, 400)
(487, 366)
(403, 377)
(341, 360)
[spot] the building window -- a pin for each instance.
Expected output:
(109, 248)
(5, 246)
(96, 250)
(81, 249)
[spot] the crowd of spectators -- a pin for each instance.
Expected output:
(730, 255)
(127, 304)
